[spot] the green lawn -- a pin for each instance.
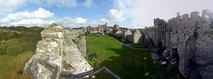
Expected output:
(123, 61)
(140, 45)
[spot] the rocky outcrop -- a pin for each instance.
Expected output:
(55, 53)
(73, 60)
(46, 63)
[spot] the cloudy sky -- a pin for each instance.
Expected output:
(81, 13)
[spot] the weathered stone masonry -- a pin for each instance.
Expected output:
(192, 38)
(56, 54)
(129, 35)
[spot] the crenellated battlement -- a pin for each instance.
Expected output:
(185, 16)
(207, 16)
(195, 15)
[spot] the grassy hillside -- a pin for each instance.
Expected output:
(11, 67)
(123, 61)
(17, 45)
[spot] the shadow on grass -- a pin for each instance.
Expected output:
(136, 64)
(125, 62)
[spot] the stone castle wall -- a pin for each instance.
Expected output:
(157, 33)
(124, 33)
(74, 33)
(192, 37)
(78, 36)
(150, 36)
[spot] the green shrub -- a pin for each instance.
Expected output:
(14, 49)
(65, 65)
(87, 33)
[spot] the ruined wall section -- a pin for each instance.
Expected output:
(192, 36)
(157, 33)
(150, 36)
(46, 63)
(77, 36)
(137, 36)
(74, 33)
(73, 60)
(160, 27)
(57, 54)
(82, 46)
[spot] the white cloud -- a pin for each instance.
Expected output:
(7, 6)
(58, 3)
(119, 5)
(114, 15)
(63, 3)
(40, 13)
(88, 3)
(127, 6)
(31, 22)
(146, 10)
(80, 20)
(140, 13)
(75, 22)
(38, 17)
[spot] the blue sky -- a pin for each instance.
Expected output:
(96, 10)
(81, 13)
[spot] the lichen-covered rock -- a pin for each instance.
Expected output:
(82, 46)
(46, 63)
(73, 61)
(57, 54)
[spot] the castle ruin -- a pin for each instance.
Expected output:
(189, 36)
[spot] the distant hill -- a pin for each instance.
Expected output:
(15, 40)
(17, 45)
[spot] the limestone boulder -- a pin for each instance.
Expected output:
(46, 63)
(73, 60)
